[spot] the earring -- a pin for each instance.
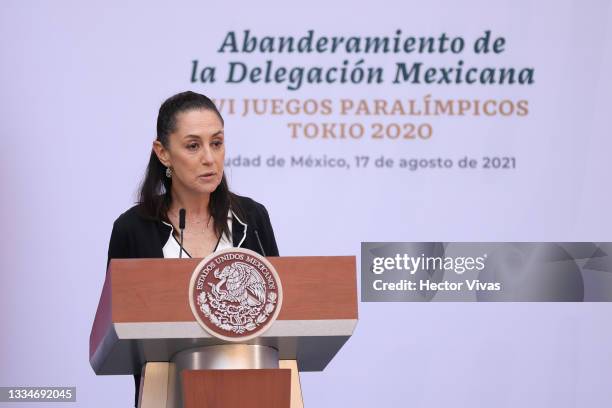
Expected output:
(168, 172)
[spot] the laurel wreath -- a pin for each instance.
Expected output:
(235, 318)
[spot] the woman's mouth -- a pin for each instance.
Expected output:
(206, 176)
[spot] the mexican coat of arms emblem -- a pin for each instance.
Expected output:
(235, 294)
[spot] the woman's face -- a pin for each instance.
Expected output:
(195, 152)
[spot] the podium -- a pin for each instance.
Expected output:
(144, 324)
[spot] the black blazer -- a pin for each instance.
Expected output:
(137, 236)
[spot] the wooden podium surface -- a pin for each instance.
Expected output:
(144, 313)
(236, 388)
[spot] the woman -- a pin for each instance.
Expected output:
(185, 171)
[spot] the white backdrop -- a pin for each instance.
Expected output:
(82, 84)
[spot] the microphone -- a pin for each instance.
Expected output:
(259, 242)
(181, 227)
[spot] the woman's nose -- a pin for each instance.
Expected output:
(207, 156)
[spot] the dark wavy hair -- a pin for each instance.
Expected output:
(155, 190)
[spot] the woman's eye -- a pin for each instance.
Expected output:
(192, 146)
(217, 144)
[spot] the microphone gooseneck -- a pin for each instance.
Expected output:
(259, 242)
(181, 227)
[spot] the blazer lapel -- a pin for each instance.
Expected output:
(239, 230)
